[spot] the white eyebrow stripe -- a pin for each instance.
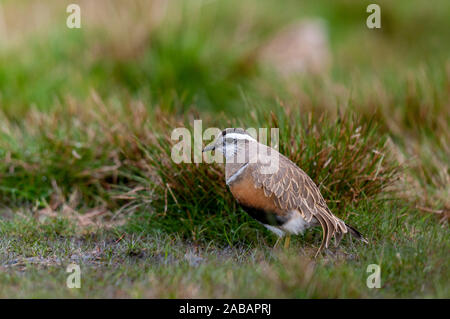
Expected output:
(239, 136)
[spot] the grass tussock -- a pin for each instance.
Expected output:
(346, 158)
(57, 148)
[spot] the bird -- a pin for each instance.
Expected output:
(285, 199)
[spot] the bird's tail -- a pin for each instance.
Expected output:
(356, 234)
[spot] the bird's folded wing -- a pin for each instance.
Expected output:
(293, 189)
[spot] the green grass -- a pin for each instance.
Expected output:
(86, 175)
(409, 248)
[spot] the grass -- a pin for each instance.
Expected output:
(155, 264)
(86, 175)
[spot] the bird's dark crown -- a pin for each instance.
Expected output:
(234, 130)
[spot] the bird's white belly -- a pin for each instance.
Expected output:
(296, 224)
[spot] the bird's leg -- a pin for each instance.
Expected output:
(287, 241)
(277, 242)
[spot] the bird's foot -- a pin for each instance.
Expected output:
(287, 241)
(277, 243)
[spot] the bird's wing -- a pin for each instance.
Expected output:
(293, 189)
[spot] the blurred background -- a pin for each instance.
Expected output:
(208, 54)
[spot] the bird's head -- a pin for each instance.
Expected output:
(230, 142)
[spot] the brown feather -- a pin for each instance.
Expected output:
(287, 190)
(292, 189)
(324, 232)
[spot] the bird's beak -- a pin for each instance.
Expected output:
(209, 147)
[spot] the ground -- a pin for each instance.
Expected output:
(86, 175)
